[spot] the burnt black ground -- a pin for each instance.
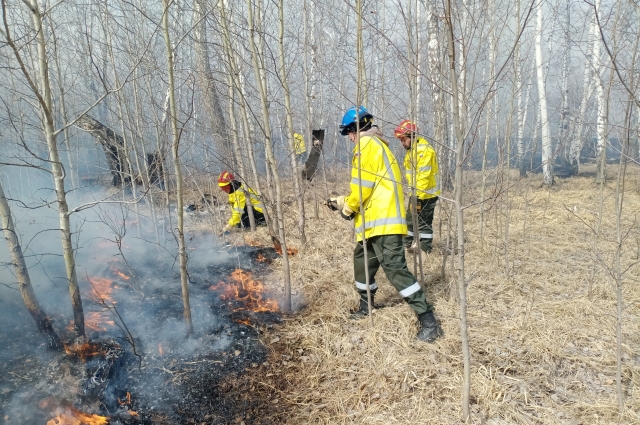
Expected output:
(209, 378)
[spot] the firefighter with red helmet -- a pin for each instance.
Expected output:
(421, 169)
(238, 201)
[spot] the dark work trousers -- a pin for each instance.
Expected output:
(387, 251)
(257, 215)
(425, 222)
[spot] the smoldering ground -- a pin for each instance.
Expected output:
(131, 295)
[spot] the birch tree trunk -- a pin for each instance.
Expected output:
(271, 161)
(292, 149)
(73, 174)
(578, 133)
(490, 102)
(361, 95)
(45, 103)
(462, 286)
(207, 83)
(182, 249)
(438, 99)
(547, 164)
(603, 105)
(414, 46)
(238, 82)
(563, 131)
(22, 275)
(518, 77)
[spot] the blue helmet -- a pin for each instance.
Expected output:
(350, 118)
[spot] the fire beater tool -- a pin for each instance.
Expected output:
(311, 165)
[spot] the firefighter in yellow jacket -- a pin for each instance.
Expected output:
(238, 201)
(381, 222)
(421, 169)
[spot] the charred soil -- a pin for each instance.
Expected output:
(221, 375)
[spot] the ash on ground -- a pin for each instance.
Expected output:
(159, 376)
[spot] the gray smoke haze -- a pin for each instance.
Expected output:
(153, 316)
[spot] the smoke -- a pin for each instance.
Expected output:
(150, 319)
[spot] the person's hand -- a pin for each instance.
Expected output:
(335, 204)
(225, 231)
(346, 212)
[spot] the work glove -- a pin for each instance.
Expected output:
(347, 213)
(225, 231)
(335, 204)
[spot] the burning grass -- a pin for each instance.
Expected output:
(541, 311)
(102, 289)
(98, 321)
(69, 415)
(243, 292)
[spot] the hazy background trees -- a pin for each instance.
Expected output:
(538, 85)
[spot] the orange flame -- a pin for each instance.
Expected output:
(71, 416)
(119, 273)
(160, 350)
(132, 412)
(250, 292)
(102, 288)
(126, 401)
(83, 351)
(290, 251)
(98, 321)
(261, 258)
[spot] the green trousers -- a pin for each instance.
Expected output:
(387, 251)
(425, 221)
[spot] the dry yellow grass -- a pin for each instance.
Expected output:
(541, 311)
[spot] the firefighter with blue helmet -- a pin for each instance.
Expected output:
(381, 224)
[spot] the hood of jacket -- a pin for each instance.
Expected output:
(374, 131)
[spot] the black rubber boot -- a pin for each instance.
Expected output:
(363, 309)
(430, 328)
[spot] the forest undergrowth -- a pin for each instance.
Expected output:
(541, 309)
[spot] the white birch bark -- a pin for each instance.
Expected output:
(547, 164)
(602, 101)
(563, 131)
(578, 133)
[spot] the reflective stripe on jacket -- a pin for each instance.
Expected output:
(238, 201)
(382, 197)
(427, 175)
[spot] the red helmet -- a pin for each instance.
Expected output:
(406, 127)
(225, 178)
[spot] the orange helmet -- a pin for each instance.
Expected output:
(225, 178)
(406, 127)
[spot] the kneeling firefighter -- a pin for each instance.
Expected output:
(382, 222)
(238, 201)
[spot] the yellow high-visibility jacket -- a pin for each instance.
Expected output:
(298, 140)
(426, 169)
(238, 201)
(382, 197)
